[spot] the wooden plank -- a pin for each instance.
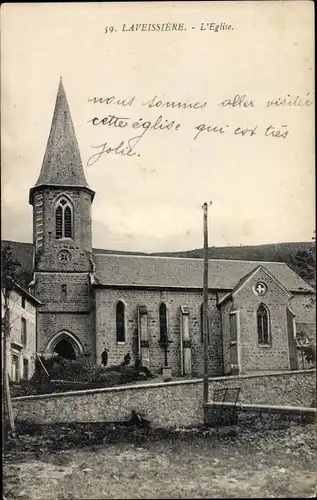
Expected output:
(260, 408)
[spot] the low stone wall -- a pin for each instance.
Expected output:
(169, 404)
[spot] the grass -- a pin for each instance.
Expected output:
(106, 463)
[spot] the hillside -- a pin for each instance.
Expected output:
(276, 252)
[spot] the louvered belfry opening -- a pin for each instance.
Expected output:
(68, 222)
(63, 219)
(59, 222)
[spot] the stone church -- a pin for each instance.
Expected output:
(149, 306)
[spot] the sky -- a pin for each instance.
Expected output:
(261, 187)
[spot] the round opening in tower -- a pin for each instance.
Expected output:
(65, 349)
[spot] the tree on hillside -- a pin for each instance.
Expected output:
(307, 348)
(304, 263)
(9, 270)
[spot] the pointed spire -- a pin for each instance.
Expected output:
(62, 165)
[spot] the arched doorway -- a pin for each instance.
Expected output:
(65, 349)
(66, 345)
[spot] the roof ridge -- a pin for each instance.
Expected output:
(188, 258)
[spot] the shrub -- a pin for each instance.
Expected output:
(78, 374)
(310, 353)
(77, 370)
(108, 379)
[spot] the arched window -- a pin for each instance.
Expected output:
(163, 321)
(263, 322)
(120, 322)
(64, 219)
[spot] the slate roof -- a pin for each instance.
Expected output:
(24, 293)
(62, 165)
(113, 269)
(117, 269)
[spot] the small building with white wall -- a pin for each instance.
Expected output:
(21, 345)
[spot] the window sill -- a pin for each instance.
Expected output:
(121, 343)
(16, 345)
(264, 345)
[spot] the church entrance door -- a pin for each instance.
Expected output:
(66, 345)
(65, 349)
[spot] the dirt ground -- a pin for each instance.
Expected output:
(183, 464)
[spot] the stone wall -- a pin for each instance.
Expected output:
(170, 404)
(275, 355)
(105, 303)
(75, 299)
(80, 325)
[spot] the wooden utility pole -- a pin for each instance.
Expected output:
(205, 314)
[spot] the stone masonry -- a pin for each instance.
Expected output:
(106, 300)
(171, 404)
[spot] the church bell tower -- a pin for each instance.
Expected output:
(61, 200)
